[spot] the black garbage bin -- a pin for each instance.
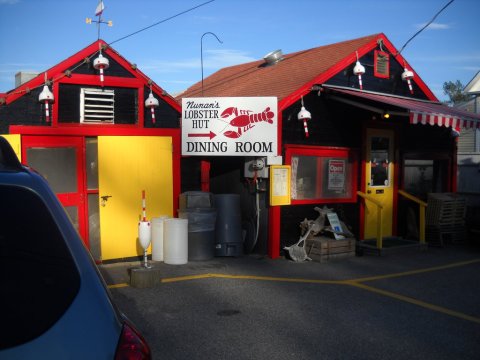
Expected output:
(228, 228)
(201, 232)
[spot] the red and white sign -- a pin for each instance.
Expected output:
(336, 174)
(230, 126)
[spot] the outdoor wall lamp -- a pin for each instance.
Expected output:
(359, 70)
(304, 115)
(47, 98)
(407, 76)
(151, 103)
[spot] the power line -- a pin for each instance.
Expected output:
(423, 28)
(160, 22)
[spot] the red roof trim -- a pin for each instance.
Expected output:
(402, 60)
(58, 75)
(320, 79)
(345, 62)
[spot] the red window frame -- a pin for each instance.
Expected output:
(348, 154)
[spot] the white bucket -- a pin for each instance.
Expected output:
(175, 244)
(144, 234)
(157, 238)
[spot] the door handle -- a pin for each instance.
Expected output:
(369, 191)
(104, 199)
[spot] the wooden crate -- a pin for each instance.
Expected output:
(322, 248)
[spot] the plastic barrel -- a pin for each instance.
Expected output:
(157, 238)
(175, 245)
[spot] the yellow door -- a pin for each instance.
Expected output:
(15, 143)
(379, 181)
(127, 166)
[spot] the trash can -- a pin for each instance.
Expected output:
(157, 237)
(228, 228)
(175, 245)
(201, 232)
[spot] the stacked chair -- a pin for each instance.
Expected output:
(445, 219)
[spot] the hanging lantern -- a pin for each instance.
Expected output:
(359, 70)
(47, 98)
(304, 115)
(151, 103)
(101, 63)
(407, 75)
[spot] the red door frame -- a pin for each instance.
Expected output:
(78, 198)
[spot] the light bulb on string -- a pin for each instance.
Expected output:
(151, 103)
(47, 98)
(359, 70)
(407, 76)
(101, 63)
(304, 115)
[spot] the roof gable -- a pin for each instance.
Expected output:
(473, 87)
(73, 65)
(295, 74)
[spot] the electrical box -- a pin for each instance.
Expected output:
(258, 165)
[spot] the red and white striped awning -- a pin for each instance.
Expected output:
(420, 111)
(447, 120)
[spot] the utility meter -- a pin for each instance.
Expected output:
(256, 167)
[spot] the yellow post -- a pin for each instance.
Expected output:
(379, 228)
(379, 217)
(421, 234)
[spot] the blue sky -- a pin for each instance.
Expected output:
(38, 34)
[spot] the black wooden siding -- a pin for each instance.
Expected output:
(26, 110)
(393, 85)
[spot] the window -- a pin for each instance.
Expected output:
(37, 271)
(379, 169)
(97, 105)
(322, 175)
(424, 173)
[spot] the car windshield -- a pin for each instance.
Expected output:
(38, 276)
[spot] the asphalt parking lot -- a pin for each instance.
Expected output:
(407, 305)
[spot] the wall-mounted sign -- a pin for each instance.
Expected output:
(229, 126)
(336, 174)
(280, 185)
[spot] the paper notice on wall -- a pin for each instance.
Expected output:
(280, 185)
(281, 182)
(336, 174)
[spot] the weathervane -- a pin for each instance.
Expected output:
(99, 21)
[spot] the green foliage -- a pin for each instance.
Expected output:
(454, 90)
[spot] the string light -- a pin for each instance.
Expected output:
(304, 115)
(359, 70)
(4, 100)
(151, 103)
(47, 98)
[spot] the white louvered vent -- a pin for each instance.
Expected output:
(97, 106)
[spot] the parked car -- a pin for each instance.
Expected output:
(54, 303)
